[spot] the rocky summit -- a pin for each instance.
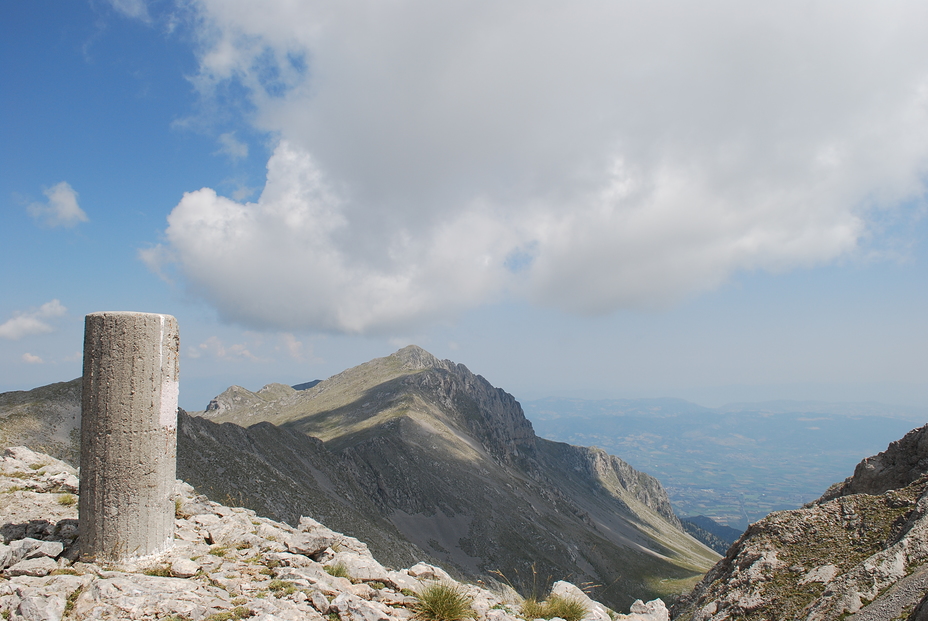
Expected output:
(225, 563)
(859, 553)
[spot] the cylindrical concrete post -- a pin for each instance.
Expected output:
(128, 435)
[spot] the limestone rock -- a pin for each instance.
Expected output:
(41, 566)
(184, 568)
(595, 610)
(655, 610)
(424, 571)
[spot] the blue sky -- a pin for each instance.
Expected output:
(719, 202)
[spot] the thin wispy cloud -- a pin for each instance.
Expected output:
(215, 348)
(589, 157)
(136, 9)
(32, 322)
(60, 210)
(231, 146)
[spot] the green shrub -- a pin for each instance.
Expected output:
(566, 608)
(66, 500)
(443, 602)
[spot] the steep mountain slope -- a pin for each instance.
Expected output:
(454, 465)
(711, 533)
(284, 474)
(860, 550)
(46, 419)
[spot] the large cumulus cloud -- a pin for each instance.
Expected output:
(589, 156)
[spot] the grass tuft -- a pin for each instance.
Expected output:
(281, 587)
(163, 571)
(66, 500)
(444, 602)
(219, 550)
(239, 612)
(555, 606)
(339, 570)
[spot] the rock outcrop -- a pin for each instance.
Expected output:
(860, 552)
(226, 563)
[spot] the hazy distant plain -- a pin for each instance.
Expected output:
(736, 463)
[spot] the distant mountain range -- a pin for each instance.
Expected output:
(423, 459)
(734, 464)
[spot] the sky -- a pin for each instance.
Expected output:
(718, 201)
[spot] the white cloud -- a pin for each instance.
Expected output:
(589, 156)
(231, 146)
(32, 359)
(213, 347)
(62, 208)
(293, 346)
(32, 322)
(137, 9)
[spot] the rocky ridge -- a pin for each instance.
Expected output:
(226, 563)
(860, 552)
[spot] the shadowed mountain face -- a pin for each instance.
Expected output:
(452, 463)
(424, 460)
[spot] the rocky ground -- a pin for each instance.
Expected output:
(226, 563)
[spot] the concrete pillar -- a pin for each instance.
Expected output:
(128, 435)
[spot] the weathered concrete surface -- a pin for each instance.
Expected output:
(128, 434)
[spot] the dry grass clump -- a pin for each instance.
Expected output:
(555, 606)
(443, 602)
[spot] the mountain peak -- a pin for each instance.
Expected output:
(902, 463)
(414, 357)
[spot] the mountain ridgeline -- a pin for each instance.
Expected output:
(443, 463)
(424, 461)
